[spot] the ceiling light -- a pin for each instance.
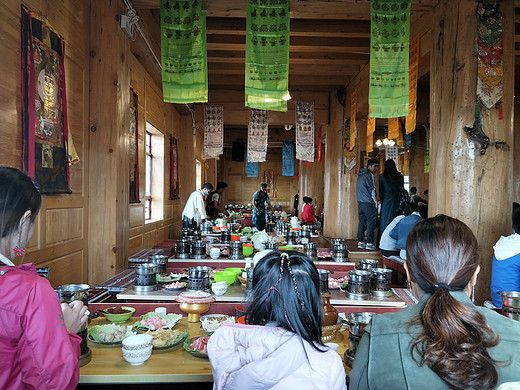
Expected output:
(391, 142)
(379, 142)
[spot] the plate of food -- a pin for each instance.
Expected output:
(109, 334)
(197, 346)
(212, 322)
(167, 338)
(154, 321)
(176, 286)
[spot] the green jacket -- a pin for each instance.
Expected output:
(383, 359)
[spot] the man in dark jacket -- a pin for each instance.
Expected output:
(367, 204)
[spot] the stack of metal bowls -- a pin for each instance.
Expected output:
(145, 279)
(380, 283)
(310, 249)
(271, 245)
(206, 227)
(339, 251)
(511, 304)
(160, 262)
(225, 236)
(292, 238)
(198, 250)
(324, 280)
(185, 232)
(183, 249)
(367, 264)
(358, 284)
(198, 278)
(305, 235)
(356, 323)
(236, 251)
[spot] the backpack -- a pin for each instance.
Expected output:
(402, 201)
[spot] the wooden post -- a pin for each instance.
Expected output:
(108, 193)
(475, 188)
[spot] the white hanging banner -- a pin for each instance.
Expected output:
(213, 132)
(305, 131)
(257, 132)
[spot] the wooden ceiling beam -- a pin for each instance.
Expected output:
(316, 9)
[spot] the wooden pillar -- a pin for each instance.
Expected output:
(475, 188)
(108, 192)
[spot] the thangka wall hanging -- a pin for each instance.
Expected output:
(415, 54)
(257, 133)
(389, 43)
(44, 105)
(288, 158)
(371, 128)
(174, 169)
(213, 132)
(251, 168)
(133, 161)
(267, 55)
(490, 52)
(183, 51)
(269, 180)
(305, 131)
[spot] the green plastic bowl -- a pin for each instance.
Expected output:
(119, 318)
(227, 276)
(235, 270)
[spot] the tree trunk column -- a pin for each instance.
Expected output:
(108, 192)
(475, 188)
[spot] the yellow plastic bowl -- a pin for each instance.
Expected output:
(228, 276)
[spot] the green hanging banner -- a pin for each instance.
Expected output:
(267, 54)
(183, 51)
(389, 62)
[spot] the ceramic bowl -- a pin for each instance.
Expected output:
(219, 288)
(120, 318)
(214, 253)
(138, 342)
(138, 357)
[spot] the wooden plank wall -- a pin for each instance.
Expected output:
(60, 233)
(240, 187)
(165, 118)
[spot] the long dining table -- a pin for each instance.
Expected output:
(172, 365)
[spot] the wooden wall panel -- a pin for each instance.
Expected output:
(72, 21)
(63, 225)
(66, 269)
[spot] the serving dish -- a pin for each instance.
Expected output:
(181, 337)
(94, 333)
(184, 285)
(194, 352)
(170, 320)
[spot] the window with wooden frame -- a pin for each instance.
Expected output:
(154, 180)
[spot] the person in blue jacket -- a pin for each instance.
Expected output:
(405, 225)
(505, 275)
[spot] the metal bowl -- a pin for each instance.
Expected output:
(358, 321)
(73, 292)
(511, 299)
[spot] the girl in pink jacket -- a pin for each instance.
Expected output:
(281, 346)
(38, 345)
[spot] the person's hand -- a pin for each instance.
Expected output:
(74, 315)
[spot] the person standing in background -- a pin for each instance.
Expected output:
(367, 204)
(296, 203)
(195, 210)
(391, 183)
(213, 206)
(260, 198)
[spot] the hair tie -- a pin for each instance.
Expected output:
(436, 286)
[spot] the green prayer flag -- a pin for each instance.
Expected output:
(389, 58)
(184, 51)
(267, 54)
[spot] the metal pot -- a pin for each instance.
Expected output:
(183, 248)
(356, 323)
(73, 292)
(271, 245)
(510, 299)
(198, 250)
(367, 264)
(160, 262)
(200, 271)
(324, 280)
(236, 250)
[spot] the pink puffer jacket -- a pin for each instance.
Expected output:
(36, 350)
(261, 357)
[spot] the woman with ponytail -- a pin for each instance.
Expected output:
(444, 341)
